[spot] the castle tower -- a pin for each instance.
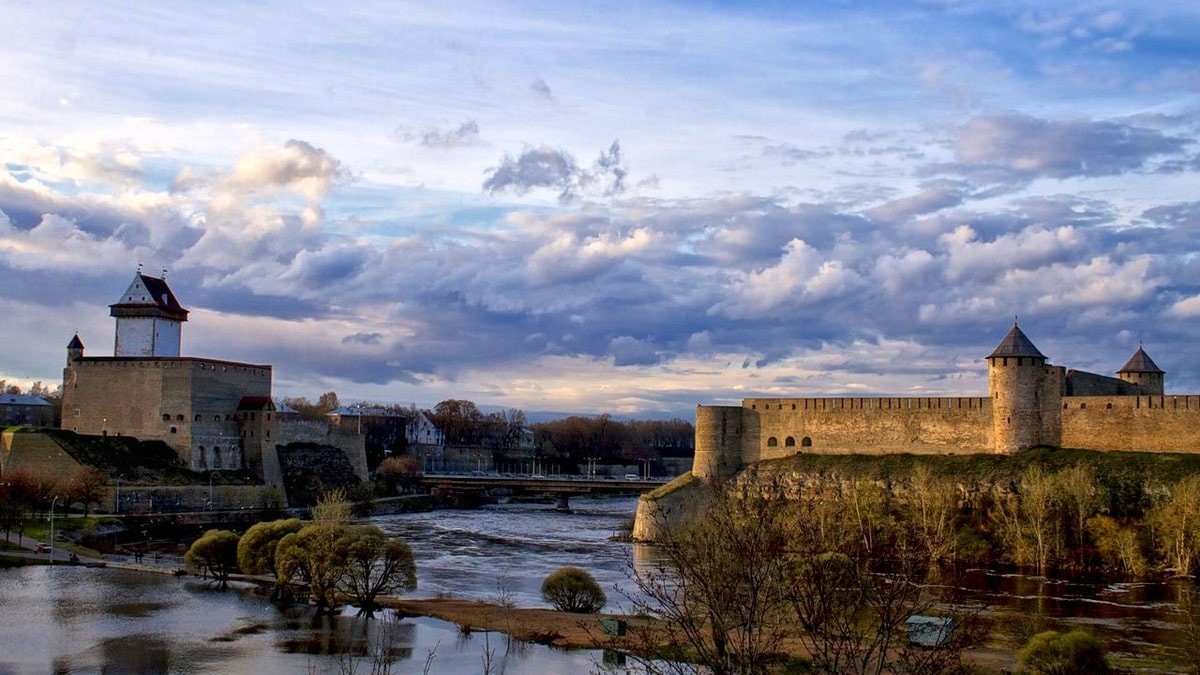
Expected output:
(149, 319)
(74, 350)
(1017, 384)
(718, 442)
(1141, 370)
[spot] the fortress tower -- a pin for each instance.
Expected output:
(149, 319)
(1024, 395)
(1142, 371)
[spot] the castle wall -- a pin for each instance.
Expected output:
(190, 404)
(864, 425)
(353, 445)
(1134, 423)
(1081, 383)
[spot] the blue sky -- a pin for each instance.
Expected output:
(625, 209)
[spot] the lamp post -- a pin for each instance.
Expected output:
(53, 502)
(117, 505)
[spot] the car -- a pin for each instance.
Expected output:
(43, 548)
(632, 476)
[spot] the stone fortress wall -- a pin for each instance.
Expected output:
(1030, 403)
(195, 403)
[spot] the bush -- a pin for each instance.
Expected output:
(570, 589)
(1054, 653)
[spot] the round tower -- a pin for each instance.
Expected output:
(1016, 371)
(718, 442)
(1141, 370)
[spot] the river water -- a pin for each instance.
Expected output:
(65, 619)
(77, 620)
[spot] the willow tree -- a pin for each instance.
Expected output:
(374, 565)
(310, 556)
(256, 549)
(216, 553)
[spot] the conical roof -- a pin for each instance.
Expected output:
(1016, 344)
(75, 343)
(1140, 362)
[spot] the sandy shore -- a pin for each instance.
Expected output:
(543, 626)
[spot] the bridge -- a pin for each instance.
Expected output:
(561, 487)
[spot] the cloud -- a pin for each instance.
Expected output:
(969, 258)
(1187, 308)
(299, 167)
(935, 197)
(803, 276)
(362, 339)
(541, 89)
(464, 135)
(628, 351)
(1029, 146)
(545, 167)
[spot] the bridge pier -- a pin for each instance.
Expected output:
(563, 502)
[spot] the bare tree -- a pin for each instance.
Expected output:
(765, 566)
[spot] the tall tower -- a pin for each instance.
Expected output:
(149, 319)
(1017, 377)
(1141, 370)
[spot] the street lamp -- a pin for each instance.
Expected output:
(53, 502)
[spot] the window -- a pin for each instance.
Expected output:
(789, 442)
(197, 418)
(772, 442)
(806, 442)
(166, 417)
(179, 418)
(174, 430)
(216, 418)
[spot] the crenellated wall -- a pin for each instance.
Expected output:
(1136, 423)
(865, 425)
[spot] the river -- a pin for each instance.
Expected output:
(79, 620)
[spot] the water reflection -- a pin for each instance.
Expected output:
(80, 620)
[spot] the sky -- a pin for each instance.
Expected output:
(625, 208)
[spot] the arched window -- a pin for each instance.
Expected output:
(772, 442)
(806, 442)
(174, 430)
(179, 417)
(166, 417)
(197, 418)
(789, 442)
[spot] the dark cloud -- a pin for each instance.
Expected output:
(1027, 146)
(363, 339)
(934, 197)
(466, 134)
(541, 89)
(545, 167)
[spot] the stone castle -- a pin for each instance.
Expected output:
(215, 414)
(1030, 403)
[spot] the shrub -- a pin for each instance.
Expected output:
(570, 589)
(1053, 653)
